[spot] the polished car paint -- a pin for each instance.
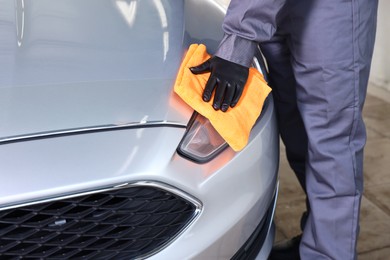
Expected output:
(69, 67)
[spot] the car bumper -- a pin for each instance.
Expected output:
(235, 190)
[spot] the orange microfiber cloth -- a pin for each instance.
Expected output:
(235, 124)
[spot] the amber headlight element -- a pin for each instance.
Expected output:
(201, 142)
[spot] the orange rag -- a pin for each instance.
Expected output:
(235, 124)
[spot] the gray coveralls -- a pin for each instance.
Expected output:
(319, 54)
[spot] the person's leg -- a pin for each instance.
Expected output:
(282, 82)
(291, 129)
(332, 43)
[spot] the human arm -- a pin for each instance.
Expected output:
(247, 22)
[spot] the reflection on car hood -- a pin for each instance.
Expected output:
(51, 108)
(73, 64)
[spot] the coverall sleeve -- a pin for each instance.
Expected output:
(246, 23)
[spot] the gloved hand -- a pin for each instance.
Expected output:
(227, 78)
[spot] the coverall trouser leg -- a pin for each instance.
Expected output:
(329, 44)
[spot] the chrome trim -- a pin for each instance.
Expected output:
(276, 194)
(260, 63)
(155, 184)
(198, 209)
(90, 129)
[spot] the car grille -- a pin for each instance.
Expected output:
(126, 223)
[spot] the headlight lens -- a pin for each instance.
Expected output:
(201, 142)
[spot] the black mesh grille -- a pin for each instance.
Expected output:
(119, 224)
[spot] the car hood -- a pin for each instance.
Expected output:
(50, 109)
(76, 64)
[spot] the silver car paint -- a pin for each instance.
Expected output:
(71, 64)
(103, 50)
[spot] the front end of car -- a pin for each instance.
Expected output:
(99, 194)
(99, 159)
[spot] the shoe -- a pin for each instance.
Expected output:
(286, 250)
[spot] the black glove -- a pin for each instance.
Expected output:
(227, 78)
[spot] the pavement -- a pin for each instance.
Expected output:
(374, 237)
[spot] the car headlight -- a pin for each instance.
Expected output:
(201, 142)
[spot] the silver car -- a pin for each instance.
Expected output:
(99, 159)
